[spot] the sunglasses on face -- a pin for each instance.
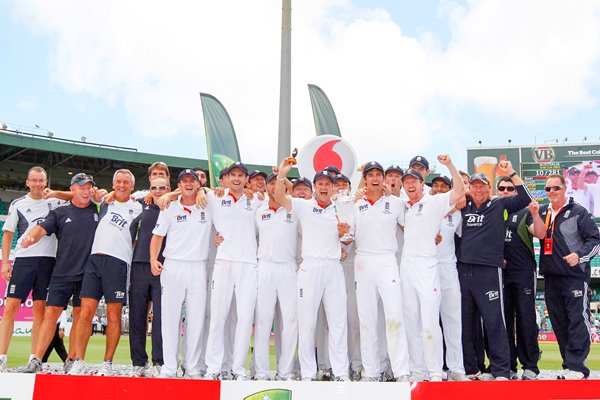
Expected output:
(553, 188)
(158, 188)
(507, 188)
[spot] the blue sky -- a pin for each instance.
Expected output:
(404, 77)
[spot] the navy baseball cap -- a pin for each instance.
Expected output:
(394, 167)
(341, 177)
(419, 160)
(239, 165)
(414, 173)
(332, 168)
(270, 177)
(257, 172)
(223, 172)
(372, 165)
(479, 177)
(445, 179)
(573, 171)
(187, 171)
(82, 178)
(302, 181)
(322, 174)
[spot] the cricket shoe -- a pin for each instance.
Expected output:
(78, 368)
(33, 366)
(105, 369)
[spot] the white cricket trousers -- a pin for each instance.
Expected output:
(322, 280)
(377, 276)
(354, 356)
(421, 296)
(231, 279)
(450, 312)
(183, 281)
(276, 281)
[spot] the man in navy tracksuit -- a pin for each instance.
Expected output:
(569, 239)
(480, 261)
(520, 277)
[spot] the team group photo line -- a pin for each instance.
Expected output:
(392, 280)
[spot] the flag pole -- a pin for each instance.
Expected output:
(285, 86)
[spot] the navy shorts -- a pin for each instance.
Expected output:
(60, 292)
(30, 274)
(105, 276)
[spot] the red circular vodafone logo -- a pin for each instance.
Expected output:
(323, 151)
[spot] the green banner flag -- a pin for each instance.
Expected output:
(325, 120)
(271, 394)
(221, 143)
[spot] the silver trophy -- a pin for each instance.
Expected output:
(344, 208)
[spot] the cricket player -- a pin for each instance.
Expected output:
(419, 272)
(235, 272)
(183, 274)
(320, 277)
(377, 218)
(277, 271)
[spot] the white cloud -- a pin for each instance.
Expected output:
(394, 95)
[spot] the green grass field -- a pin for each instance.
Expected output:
(20, 348)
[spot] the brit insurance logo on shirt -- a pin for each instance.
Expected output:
(226, 202)
(265, 217)
(118, 221)
(474, 220)
(363, 208)
(181, 218)
(317, 210)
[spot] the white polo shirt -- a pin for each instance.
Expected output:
(376, 225)
(277, 234)
(450, 225)
(23, 214)
(188, 229)
(422, 222)
(320, 239)
(113, 236)
(234, 220)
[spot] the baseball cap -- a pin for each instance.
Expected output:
(322, 174)
(342, 177)
(302, 181)
(446, 180)
(332, 168)
(573, 171)
(270, 177)
(412, 172)
(419, 160)
(240, 165)
(223, 172)
(257, 172)
(187, 171)
(479, 177)
(82, 178)
(394, 167)
(372, 165)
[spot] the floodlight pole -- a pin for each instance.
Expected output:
(285, 84)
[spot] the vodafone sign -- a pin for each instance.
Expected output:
(325, 150)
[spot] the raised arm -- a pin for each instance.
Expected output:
(281, 197)
(458, 190)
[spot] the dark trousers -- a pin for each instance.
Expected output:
(568, 302)
(58, 345)
(143, 289)
(481, 290)
(521, 325)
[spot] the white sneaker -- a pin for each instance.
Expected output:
(78, 368)
(435, 377)
(105, 369)
(138, 371)
(153, 371)
(417, 377)
(261, 377)
(403, 378)
(343, 378)
(574, 376)
(240, 377)
(529, 375)
(477, 376)
(165, 376)
(513, 375)
(457, 376)
(500, 378)
(369, 379)
(561, 375)
(33, 366)
(3, 367)
(67, 365)
(191, 376)
(212, 377)
(226, 376)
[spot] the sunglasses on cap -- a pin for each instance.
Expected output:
(553, 188)
(158, 188)
(507, 188)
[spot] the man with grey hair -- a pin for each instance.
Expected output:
(106, 271)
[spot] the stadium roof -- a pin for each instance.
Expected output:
(19, 151)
